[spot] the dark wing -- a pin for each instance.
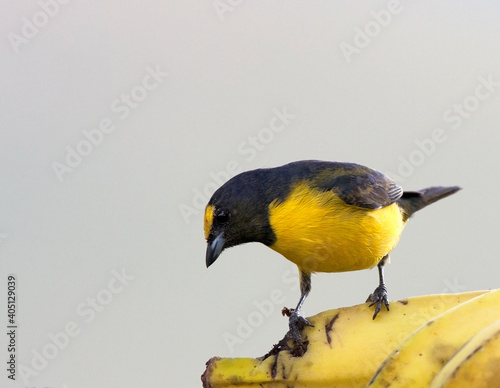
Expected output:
(364, 187)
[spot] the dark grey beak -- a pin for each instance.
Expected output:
(214, 249)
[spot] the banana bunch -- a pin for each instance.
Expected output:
(446, 340)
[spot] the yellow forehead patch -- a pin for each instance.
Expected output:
(209, 217)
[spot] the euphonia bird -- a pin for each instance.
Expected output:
(323, 216)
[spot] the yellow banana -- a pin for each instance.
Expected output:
(476, 364)
(416, 361)
(343, 349)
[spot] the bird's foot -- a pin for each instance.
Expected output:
(378, 297)
(296, 324)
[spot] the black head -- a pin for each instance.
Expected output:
(236, 214)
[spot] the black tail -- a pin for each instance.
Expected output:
(412, 201)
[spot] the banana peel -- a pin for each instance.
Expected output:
(416, 361)
(343, 349)
(475, 364)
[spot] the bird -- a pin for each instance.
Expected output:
(324, 216)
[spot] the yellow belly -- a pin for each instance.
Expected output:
(320, 233)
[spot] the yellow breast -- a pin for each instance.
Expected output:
(320, 233)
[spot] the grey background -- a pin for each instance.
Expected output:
(230, 64)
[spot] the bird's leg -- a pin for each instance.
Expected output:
(379, 296)
(297, 322)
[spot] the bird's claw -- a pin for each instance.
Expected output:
(296, 324)
(378, 297)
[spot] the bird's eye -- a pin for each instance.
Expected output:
(222, 217)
